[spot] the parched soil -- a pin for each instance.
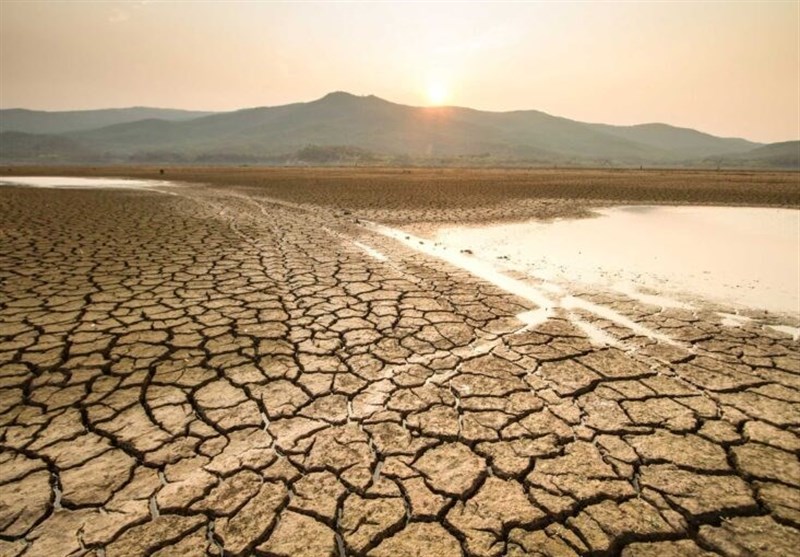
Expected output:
(436, 196)
(228, 371)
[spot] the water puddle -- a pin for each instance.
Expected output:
(660, 256)
(84, 183)
(547, 297)
(738, 256)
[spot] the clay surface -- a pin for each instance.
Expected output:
(218, 372)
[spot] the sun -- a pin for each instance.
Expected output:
(438, 94)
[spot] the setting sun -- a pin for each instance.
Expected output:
(438, 94)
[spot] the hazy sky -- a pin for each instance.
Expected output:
(728, 68)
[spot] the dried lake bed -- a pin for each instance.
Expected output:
(220, 371)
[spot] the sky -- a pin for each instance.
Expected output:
(727, 68)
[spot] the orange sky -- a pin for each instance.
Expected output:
(728, 68)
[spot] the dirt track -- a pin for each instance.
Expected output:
(218, 371)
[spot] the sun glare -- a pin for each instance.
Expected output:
(438, 94)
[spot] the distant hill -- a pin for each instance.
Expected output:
(681, 142)
(41, 148)
(37, 121)
(775, 155)
(377, 125)
(344, 128)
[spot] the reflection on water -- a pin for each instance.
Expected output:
(638, 209)
(737, 255)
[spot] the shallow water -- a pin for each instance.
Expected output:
(734, 255)
(82, 183)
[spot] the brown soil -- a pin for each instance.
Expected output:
(215, 372)
(395, 195)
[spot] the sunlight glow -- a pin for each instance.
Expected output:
(438, 94)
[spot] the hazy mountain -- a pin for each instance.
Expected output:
(37, 121)
(785, 154)
(682, 142)
(343, 127)
(374, 124)
(28, 147)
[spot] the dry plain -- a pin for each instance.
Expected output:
(220, 367)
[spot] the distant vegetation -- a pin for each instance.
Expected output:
(37, 121)
(334, 154)
(342, 129)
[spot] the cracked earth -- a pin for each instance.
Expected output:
(212, 373)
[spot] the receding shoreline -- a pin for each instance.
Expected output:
(433, 195)
(228, 358)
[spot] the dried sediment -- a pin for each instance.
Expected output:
(216, 372)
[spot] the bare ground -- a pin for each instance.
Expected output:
(227, 371)
(424, 195)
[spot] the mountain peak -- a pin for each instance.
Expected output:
(344, 96)
(339, 96)
(341, 119)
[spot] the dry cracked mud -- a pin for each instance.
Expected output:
(212, 373)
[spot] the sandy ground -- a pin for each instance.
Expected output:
(227, 370)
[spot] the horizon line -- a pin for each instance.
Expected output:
(368, 96)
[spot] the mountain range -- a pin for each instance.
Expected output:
(341, 128)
